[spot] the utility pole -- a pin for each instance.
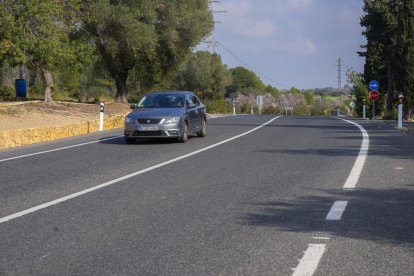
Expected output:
(211, 42)
(339, 70)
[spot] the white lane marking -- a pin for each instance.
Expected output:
(57, 149)
(65, 198)
(337, 209)
(73, 146)
(321, 238)
(353, 177)
(310, 260)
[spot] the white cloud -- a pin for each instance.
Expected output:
(266, 25)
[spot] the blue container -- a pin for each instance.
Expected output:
(20, 88)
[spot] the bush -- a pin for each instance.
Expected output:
(270, 110)
(217, 106)
(315, 111)
(36, 92)
(391, 115)
(7, 92)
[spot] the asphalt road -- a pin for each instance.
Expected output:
(232, 203)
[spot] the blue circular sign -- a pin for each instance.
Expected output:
(374, 85)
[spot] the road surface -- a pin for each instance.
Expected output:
(259, 195)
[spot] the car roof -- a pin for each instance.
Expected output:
(171, 92)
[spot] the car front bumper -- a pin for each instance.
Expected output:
(137, 130)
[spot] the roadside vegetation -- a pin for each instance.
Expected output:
(92, 51)
(389, 56)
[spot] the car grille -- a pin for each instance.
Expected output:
(149, 121)
(152, 133)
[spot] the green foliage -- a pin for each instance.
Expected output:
(7, 92)
(309, 98)
(36, 91)
(389, 52)
(245, 82)
(36, 33)
(391, 115)
(217, 106)
(359, 91)
(149, 37)
(204, 72)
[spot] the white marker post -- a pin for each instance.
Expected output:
(364, 114)
(234, 108)
(101, 116)
(400, 109)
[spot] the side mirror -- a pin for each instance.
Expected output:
(132, 106)
(191, 105)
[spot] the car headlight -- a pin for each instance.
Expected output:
(170, 120)
(129, 120)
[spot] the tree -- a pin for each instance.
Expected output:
(389, 52)
(359, 89)
(150, 37)
(406, 65)
(245, 82)
(381, 31)
(35, 33)
(206, 73)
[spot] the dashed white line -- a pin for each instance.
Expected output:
(77, 194)
(337, 209)
(310, 260)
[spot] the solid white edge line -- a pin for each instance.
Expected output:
(65, 198)
(58, 149)
(353, 177)
(310, 260)
(74, 146)
(337, 209)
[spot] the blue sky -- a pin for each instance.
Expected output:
(290, 42)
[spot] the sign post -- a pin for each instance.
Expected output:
(373, 95)
(352, 105)
(260, 102)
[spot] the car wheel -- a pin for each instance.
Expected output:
(129, 140)
(184, 133)
(203, 131)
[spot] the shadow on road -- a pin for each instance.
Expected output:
(377, 215)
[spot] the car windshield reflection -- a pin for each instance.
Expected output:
(161, 101)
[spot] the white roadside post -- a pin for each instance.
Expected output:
(286, 109)
(291, 110)
(400, 109)
(101, 116)
(234, 107)
(364, 114)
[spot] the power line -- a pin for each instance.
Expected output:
(251, 68)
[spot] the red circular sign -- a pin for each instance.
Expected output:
(374, 95)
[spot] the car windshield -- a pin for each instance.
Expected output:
(161, 101)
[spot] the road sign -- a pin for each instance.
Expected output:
(374, 85)
(374, 95)
(351, 104)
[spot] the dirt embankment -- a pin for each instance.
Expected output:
(35, 122)
(39, 114)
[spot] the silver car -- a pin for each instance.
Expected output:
(166, 115)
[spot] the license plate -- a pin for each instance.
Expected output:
(146, 128)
